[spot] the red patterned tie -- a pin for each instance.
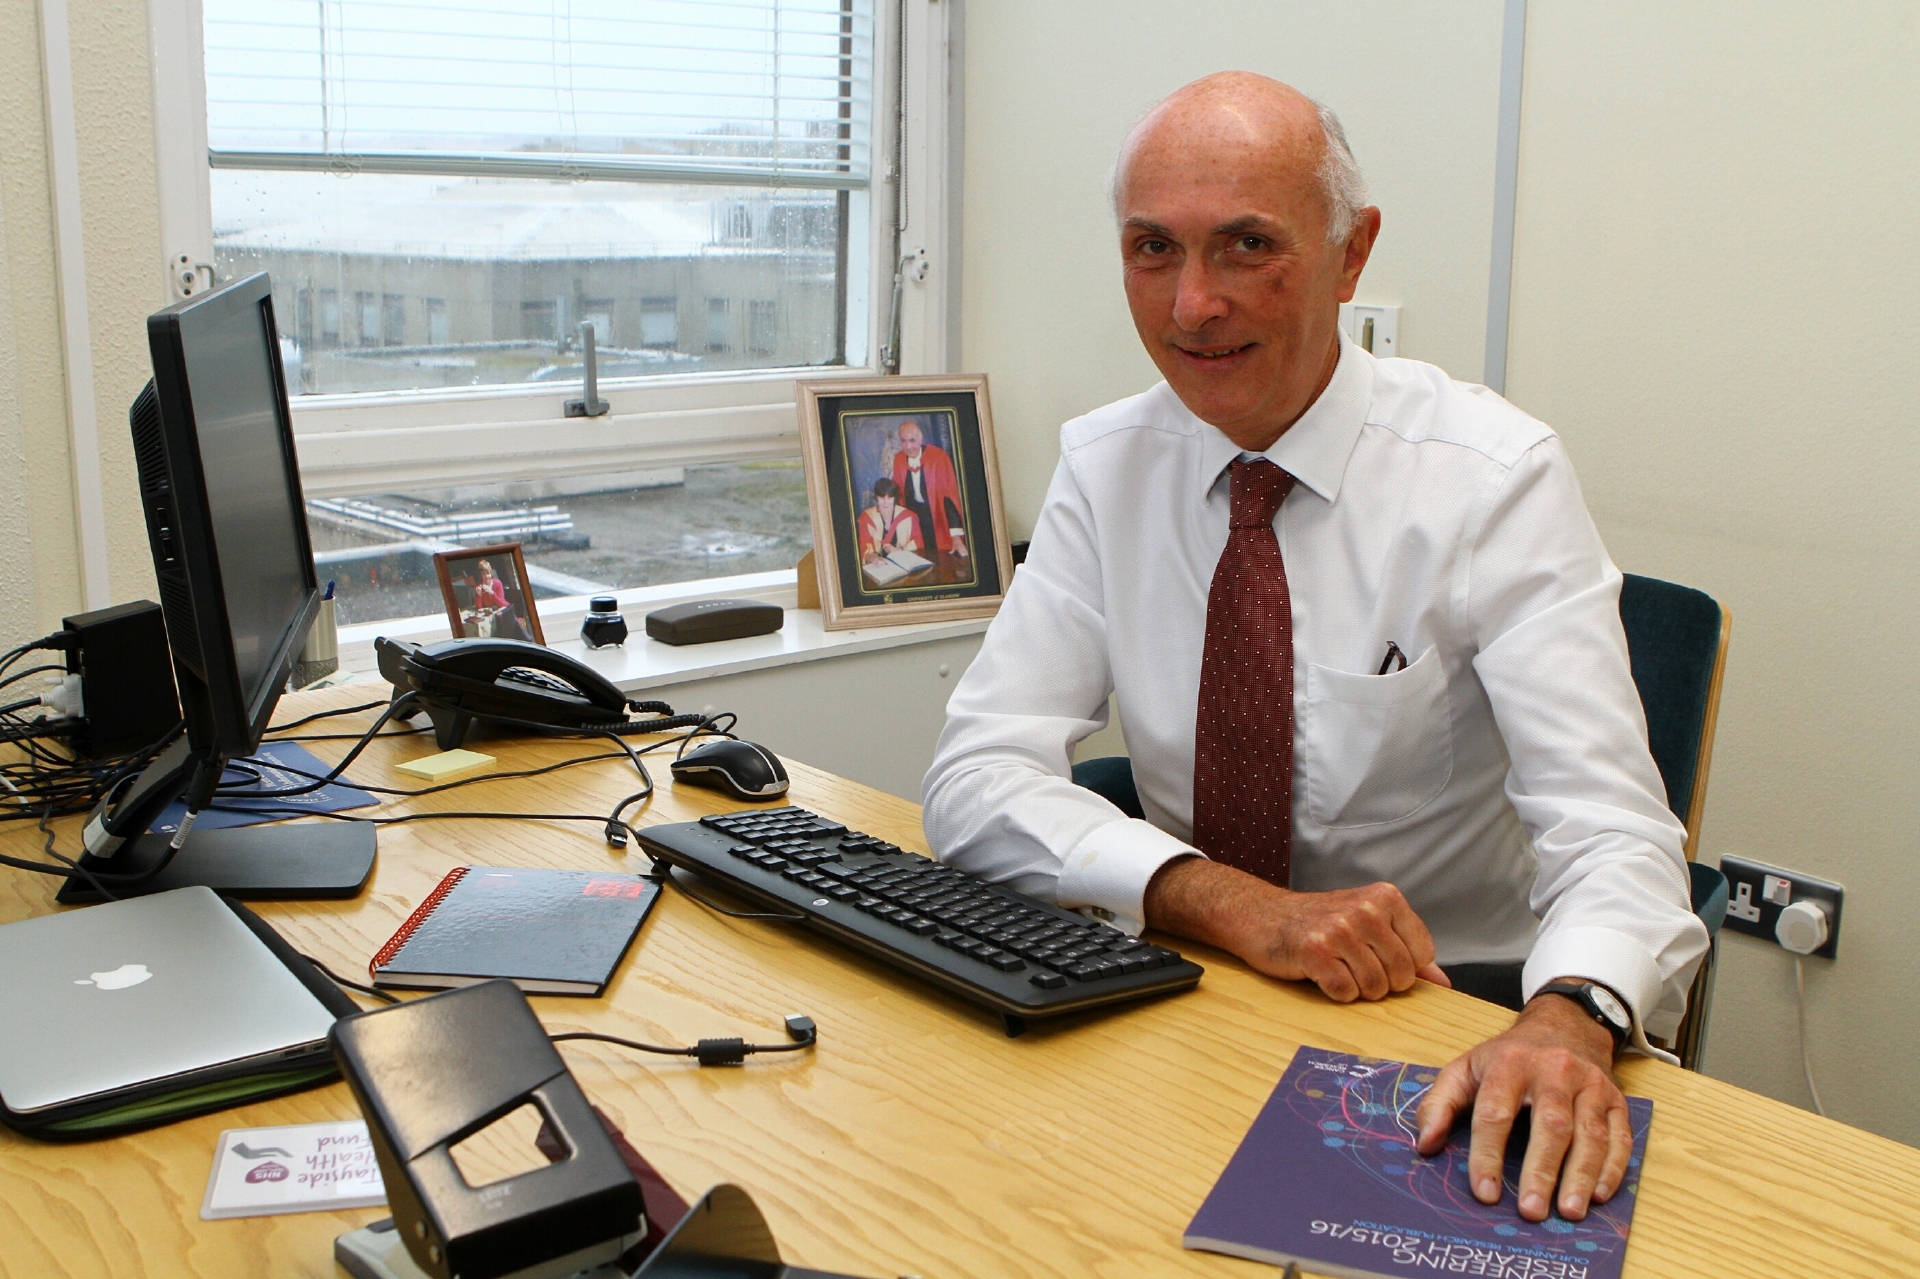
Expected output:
(1243, 737)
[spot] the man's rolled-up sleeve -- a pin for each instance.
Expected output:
(1000, 801)
(1543, 602)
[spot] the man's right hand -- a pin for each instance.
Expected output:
(1353, 943)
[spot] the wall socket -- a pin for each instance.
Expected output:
(1757, 893)
(1373, 328)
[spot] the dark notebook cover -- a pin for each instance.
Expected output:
(550, 932)
(269, 769)
(1328, 1176)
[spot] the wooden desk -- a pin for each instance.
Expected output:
(918, 1138)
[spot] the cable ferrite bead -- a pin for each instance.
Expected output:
(721, 1052)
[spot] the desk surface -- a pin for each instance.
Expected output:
(918, 1138)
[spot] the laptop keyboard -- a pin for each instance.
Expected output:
(1016, 955)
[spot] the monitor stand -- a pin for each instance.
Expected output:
(256, 863)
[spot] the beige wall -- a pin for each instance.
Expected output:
(1050, 91)
(119, 219)
(1714, 301)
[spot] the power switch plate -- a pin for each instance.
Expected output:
(1372, 328)
(1757, 893)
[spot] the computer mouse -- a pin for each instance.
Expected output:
(742, 769)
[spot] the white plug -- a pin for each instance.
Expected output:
(1802, 928)
(63, 697)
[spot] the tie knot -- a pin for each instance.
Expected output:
(1258, 489)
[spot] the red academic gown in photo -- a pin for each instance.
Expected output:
(902, 530)
(943, 505)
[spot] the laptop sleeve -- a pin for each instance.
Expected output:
(165, 1101)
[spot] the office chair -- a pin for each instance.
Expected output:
(1677, 644)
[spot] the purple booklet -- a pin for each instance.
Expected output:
(1328, 1177)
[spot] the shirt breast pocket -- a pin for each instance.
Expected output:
(1379, 747)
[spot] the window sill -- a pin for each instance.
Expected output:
(643, 663)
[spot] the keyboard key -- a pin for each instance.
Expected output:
(922, 927)
(1049, 981)
(841, 893)
(1008, 963)
(743, 850)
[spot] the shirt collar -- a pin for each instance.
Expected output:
(1315, 449)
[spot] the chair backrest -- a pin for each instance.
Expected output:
(1677, 641)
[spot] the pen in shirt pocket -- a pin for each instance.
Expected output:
(1393, 654)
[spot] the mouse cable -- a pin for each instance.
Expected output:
(664, 875)
(711, 1052)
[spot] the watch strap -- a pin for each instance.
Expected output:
(1581, 992)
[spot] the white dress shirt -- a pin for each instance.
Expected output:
(1501, 780)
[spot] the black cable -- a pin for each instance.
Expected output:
(666, 876)
(17, 676)
(710, 1052)
(372, 992)
(801, 1030)
(320, 715)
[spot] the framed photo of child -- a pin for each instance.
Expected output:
(903, 486)
(487, 593)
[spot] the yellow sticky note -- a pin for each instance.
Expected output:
(447, 766)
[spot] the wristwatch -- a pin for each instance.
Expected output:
(1601, 1004)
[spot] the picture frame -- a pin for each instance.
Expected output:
(487, 593)
(903, 488)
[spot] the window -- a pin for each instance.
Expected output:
(763, 326)
(329, 317)
(507, 172)
(659, 322)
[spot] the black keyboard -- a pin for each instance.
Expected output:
(1017, 956)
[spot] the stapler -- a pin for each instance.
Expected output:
(428, 1074)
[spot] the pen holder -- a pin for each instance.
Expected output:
(321, 656)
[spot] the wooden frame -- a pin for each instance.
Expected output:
(463, 620)
(876, 564)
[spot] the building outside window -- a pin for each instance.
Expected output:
(659, 323)
(763, 326)
(515, 170)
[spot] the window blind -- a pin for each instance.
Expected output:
(736, 92)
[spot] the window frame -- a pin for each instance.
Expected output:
(409, 440)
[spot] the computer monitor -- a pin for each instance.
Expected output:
(220, 483)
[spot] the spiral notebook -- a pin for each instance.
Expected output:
(549, 932)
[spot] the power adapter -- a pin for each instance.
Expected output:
(124, 669)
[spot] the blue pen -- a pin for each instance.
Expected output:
(329, 594)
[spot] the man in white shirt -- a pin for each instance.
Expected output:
(1377, 694)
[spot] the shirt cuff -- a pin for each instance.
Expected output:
(1107, 872)
(1614, 960)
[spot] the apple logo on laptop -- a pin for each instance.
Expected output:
(119, 978)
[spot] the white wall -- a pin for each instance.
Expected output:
(1714, 302)
(1051, 89)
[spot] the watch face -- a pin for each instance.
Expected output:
(1609, 1007)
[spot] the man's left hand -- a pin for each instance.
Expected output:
(1558, 1061)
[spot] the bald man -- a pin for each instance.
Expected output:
(1378, 703)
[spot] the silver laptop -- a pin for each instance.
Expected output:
(168, 987)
